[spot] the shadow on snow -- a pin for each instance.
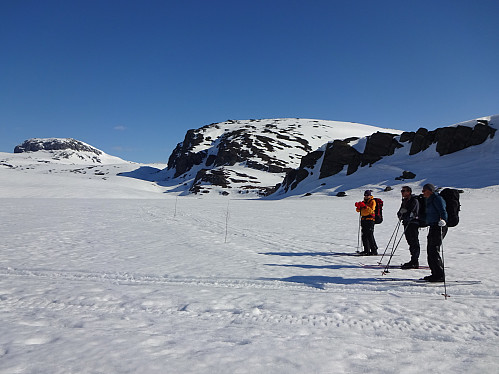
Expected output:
(332, 267)
(320, 282)
(298, 254)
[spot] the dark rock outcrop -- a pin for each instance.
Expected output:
(212, 177)
(448, 139)
(454, 139)
(230, 148)
(379, 145)
(256, 145)
(182, 158)
(54, 144)
(406, 175)
(340, 153)
(421, 140)
(294, 177)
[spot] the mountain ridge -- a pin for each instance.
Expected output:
(252, 156)
(275, 158)
(467, 149)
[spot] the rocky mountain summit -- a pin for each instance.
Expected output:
(66, 150)
(284, 157)
(252, 155)
(55, 144)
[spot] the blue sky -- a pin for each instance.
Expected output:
(131, 77)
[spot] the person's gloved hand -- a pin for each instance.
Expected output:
(360, 205)
(442, 223)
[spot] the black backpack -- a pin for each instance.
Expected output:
(422, 211)
(378, 210)
(451, 197)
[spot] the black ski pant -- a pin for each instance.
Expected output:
(412, 236)
(435, 236)
(368, 240)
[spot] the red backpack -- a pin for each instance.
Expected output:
(378, 210)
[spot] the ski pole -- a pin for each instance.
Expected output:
(358, 234)
(389, 241)
(386, 271)
(393, 244)
(445, 295)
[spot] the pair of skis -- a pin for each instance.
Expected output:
(395, 245)
(414, 280)
(380, 266)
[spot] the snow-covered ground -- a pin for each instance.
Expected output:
(104, 271)
(189, 285)
(38, 174)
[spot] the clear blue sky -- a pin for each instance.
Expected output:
(131, 77)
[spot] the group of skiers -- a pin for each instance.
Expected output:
(413, 213)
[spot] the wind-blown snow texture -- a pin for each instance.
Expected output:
(107, 274)
(114, 286)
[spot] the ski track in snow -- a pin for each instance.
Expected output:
(74, 305)
(121, 274)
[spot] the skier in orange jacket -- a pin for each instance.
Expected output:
(366, 209)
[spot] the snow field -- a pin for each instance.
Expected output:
(128, 286)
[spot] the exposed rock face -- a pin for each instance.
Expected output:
(232, 146)
(241, 155)
(213, 155)
(449, 139)
(378, 146)
(66, 150)
(210, 177)
(335, 156)
(339, 154)
(55, 144)
(182, 158)
(218, 146)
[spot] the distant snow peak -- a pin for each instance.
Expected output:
(65, 150)
(55, 144)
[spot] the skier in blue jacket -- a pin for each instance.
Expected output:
(409, 215)
(436, 217)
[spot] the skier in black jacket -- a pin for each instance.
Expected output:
(409, 215)
(436, 217)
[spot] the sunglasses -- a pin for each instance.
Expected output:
(404, 190)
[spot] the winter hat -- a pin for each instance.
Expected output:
(429, 187)
(368, 192)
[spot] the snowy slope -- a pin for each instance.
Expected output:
(155, 286)
(64, 151)
(473, 167)
(71, 173)
(243, 159)
(252, 156)
(158, 282)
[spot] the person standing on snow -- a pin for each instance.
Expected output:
(409, 215)
(436, 217)
(366, 209)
